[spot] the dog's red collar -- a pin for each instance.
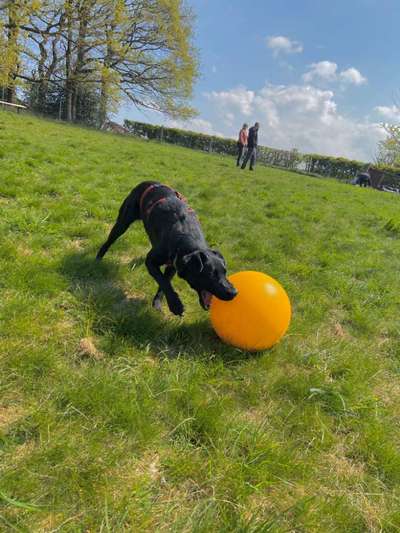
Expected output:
(150, 208)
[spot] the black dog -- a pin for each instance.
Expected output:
(178, 243)
(363, 179)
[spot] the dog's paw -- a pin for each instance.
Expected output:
(175, 305)
(157, 303)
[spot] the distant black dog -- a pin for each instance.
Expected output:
(363, 179)
(178, 243)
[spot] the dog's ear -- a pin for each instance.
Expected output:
(218, 254)
(197, 259)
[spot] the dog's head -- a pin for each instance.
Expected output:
(205, 271)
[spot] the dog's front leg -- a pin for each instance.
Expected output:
(169, 273)
(164, 282)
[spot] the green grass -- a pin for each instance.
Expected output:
(116, 418)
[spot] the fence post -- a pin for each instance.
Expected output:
(161, 133)
(210, 146)
(60, 109)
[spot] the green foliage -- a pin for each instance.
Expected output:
(389, 149)
(155, 425)
(82, 57)
(188, 139)
(338, 167)
(52, 103)
(393, 226)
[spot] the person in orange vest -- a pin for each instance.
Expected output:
(242, 142)
(252, 143)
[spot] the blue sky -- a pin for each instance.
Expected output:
(319, 75)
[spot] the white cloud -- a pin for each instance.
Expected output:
(353, 76)
(328, 71)
(296, 116)
(239, 99)
(391, 113)
(281, 44)
(324, 70)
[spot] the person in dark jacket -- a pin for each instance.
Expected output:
(242, 142)
(252, 142)
(363, 179)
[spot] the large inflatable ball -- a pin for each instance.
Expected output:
(258, 317)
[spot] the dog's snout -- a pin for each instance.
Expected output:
(232, 293)
(228, 293)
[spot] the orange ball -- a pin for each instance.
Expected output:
(258, 317)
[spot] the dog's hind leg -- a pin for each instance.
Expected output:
(128, 213)
(169, 273)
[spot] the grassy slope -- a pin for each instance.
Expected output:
(167, 428)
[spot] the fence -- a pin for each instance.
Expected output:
(14, 107)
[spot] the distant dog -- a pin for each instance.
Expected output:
(177, 242)
(363, 179)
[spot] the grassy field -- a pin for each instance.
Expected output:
(116, 418)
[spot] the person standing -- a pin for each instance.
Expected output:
(242, 142)
(364, 179)
(252, 142)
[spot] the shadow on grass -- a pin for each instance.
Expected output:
(121, 317)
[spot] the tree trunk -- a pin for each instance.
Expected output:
(84, 14)
(42, 83)
(103, 103)
(13, 56)
(74, 106)
(104, 94)
(68, 70)
(10, 94)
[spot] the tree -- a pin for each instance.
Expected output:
(389, 149)
(158, 64)
(140, 50)
(13, 15)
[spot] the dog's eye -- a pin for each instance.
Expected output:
(218, 272)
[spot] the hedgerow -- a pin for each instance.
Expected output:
(335, 167)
